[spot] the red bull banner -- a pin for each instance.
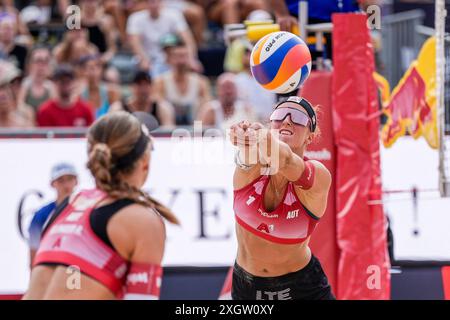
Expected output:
(412, 106)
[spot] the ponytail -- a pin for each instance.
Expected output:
(100, 165)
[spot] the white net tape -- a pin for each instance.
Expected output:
(441, 91)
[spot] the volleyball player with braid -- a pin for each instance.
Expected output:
(113, 234)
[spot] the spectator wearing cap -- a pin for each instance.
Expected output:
(36, 13)
(67, 109)
(145, 29)
(11, 114)
(144, 99)
(184, 89)
(13, 52)
(100, 95)
(227, 108)
(42, 12)
(64, 180)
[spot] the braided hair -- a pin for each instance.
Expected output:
(110, 138)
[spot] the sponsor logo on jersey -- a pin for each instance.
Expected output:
(83, 203)
(67, 229)
(267, 215)
(274, 295)
(57, 243)
(250, 200)
(266, 228)
(121, 270)
(138, 277)
(74, 216)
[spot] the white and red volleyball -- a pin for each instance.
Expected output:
(280, 62)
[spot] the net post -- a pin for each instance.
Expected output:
(444, 178)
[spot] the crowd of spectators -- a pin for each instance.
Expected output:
(57, 71)
(57, 61)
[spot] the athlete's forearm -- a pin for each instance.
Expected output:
(247, 156)
(279, 157)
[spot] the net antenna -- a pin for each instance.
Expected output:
(443, 115)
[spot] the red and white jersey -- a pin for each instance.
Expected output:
(289, 223)
(70, 241)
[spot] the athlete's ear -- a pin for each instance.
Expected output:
(145, 160)
(310, 137)
(144, 166)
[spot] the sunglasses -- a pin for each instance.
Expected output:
(297, 116)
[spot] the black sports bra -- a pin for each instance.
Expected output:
(98, 219)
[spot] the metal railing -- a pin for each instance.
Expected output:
(68, 133)
(400, 42)
(41, 133)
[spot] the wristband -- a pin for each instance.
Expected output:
(306, 180)
(240, 163)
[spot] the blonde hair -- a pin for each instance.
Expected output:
(110, 138)
(317, 133)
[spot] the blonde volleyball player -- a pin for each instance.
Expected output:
(111, 237)
(276, 214)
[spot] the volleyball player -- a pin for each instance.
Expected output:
(112, 236)
(279, 198)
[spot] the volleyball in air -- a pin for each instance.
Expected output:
(280, 62)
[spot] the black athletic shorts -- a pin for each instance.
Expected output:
(309, 283)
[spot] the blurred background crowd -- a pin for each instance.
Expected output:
(165, 57)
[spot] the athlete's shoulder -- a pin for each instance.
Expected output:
(321, 168)
(137, 217)
(137, 226)
(319, 165)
